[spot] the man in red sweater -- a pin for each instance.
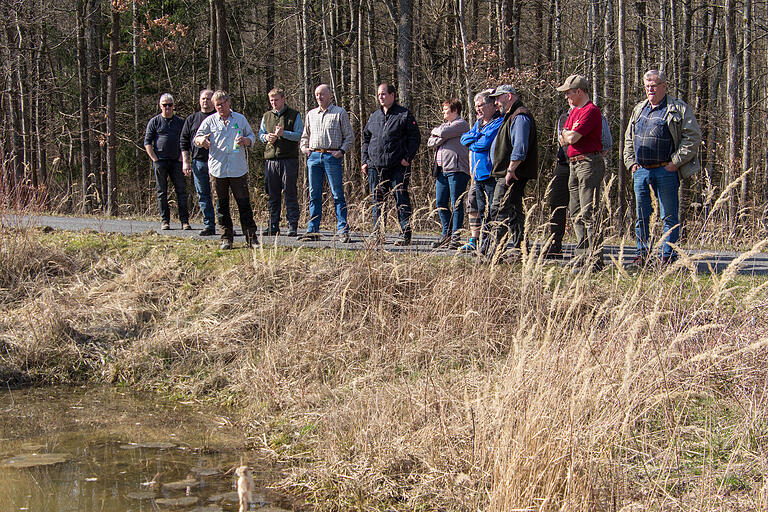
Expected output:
(582, 135)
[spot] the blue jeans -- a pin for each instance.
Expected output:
(665, 185)
(450, 186)
(319, 165)
(392, 180)
(203, 188)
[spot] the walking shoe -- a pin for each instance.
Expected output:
(638, 262)
(470, 246)
(554, 251)
(253, 243)
(271, 231)
(226, 245)
(185, 226)
(293, 231)
(165, 226)
(343, 237)
(404, 240)
(309, 237)
(668, 260)
(443, 241)
(207, 232)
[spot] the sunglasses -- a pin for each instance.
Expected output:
(167, 104)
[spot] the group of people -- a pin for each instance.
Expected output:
(485, 167)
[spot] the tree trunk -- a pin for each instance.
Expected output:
(269, 58)
(85, 129)
(732, 88)
(465, 65)
(622, 115)
(212, 44)
(222, 45)
(114, 44)
(372, 45)
(307, 46)
(404, 49)
(747, 107)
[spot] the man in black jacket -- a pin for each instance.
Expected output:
(390, 141)
(195, 161)
(161, 141)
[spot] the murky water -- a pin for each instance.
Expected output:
(102, 450)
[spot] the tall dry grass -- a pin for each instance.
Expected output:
(389, 382)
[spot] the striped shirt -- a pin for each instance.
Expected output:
(329, 129)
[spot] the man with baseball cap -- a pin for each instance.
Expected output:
(582, 133)
(515, 161)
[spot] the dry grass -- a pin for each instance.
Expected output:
(412, 383)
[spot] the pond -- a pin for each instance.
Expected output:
(86, 449)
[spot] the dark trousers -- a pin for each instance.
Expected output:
(395, 181)
(165, 169)
(239, 188)
(479, 200)
(508, 213)
(558, 197)
(280, 175)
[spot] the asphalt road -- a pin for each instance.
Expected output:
(705, 261)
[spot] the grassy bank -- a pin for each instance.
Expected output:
(416, 383)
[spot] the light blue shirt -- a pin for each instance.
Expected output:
(295, 135)
(224, 160)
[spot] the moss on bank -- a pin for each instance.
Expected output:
(413, 383)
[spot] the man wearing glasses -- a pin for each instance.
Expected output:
(162, 142)
(660, 148)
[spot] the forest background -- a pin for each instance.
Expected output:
(80, 79)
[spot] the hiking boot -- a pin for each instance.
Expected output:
(185, 226)
(443, 241)
(404, 240)
(309, 237)
(638, 262)
(226, 244)
(271, 231)
(207, 232)
(343, 237)
(470, 246)
(293, 231)
(253, 242)
(165, 226)
(554, 251)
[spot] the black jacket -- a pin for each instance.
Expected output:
(391, 137)
(188, 131)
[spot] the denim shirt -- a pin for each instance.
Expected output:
(224, 160)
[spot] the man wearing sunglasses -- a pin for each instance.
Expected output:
(162, 142)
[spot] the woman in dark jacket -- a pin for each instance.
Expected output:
(451, 172)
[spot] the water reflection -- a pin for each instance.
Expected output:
(120, 452)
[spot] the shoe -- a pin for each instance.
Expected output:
(443, 241)
(554, 251)
(455, 243)
(293, 231)
(185, 226)
(470, 246)
(343, 237)
(271, 231)
(668, 260)
(207, 232)
(226, 245)
(165, 226)
(638, 262)
(309, 237)
(253, 243)
(404, 240)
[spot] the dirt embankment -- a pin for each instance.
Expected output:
(410, 383)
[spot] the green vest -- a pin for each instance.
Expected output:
(503, 146)
(283, 148)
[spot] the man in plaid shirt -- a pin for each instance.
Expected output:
(327, 136)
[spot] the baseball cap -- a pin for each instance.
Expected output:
(503, 89)
(574, 82)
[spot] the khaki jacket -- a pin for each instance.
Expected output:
(685, 131)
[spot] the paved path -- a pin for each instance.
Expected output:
(706, 261)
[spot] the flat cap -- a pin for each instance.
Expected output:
(503, 89)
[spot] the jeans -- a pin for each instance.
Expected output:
(203, 188)
(665, 185)
(319, 165)
(479, 201)
(280, 176)
(239, 188)
(394, 180)
(451, 185)
(165, 169)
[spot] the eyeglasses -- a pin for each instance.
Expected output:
(651, 87)
(169, 105)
